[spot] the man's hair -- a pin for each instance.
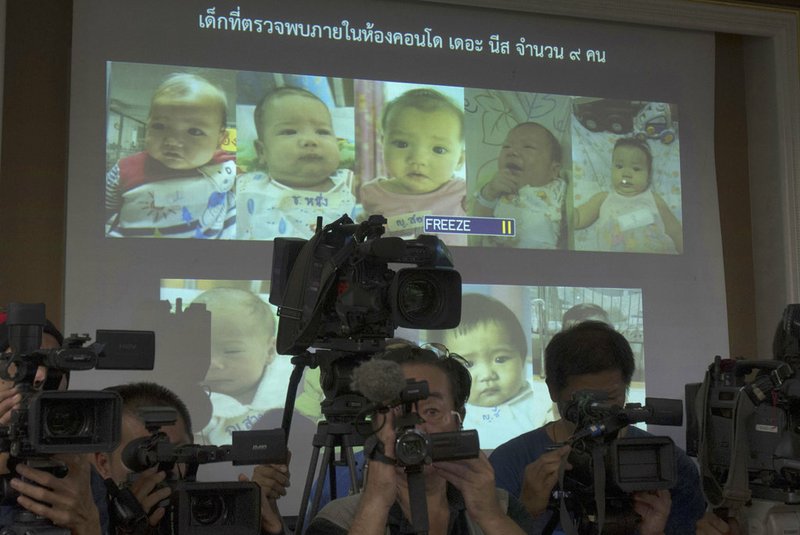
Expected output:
(182, 84)
(587, 347)
(637, 143)
(146, 394)
(424, 100)
(478, 309)
(456, 372)
(273, 94)
(555, 146)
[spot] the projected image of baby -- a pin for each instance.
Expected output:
(242, 384)
(527, 187)
(631, 217)
(299, 178)
(584, 312)
(423, 146)
(502, 403)
(182, 185)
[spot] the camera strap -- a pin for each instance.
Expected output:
(373, 448)
(735, 492)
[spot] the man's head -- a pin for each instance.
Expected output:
(588, 356)
(242, 341)
(451, 377)
(134, 397)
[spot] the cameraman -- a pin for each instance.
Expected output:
(456, 491)
(147, 487)
(75, 501)
(590, 356)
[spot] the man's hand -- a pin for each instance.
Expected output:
(9, 400)
(474, 478)
(653, 507)
(67, 501)
(540, 478)
(381, 488)
(711, 524)
(147, 492)
(273, 479)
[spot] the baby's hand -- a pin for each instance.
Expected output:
(503, 183)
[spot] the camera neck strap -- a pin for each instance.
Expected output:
(735, 492)
(599, 475)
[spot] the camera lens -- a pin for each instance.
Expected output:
(207, 509)
(65, 420)
(419, 298)
(411, 448)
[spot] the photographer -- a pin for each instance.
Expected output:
(75, 501)
(455, 491)
(590, 356)
(147, 487)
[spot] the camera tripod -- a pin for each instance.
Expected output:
(343, 428)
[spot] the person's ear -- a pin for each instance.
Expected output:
(102, 462)
(271, 351)
(553, 392)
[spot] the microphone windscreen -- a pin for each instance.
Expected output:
(380, 381)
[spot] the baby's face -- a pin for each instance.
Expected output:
(299, 146)
(184, 132)
(422, 149)
(526, 154)
(240, 352)
(629, 171)
(495, 365)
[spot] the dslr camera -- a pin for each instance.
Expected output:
(607, 468)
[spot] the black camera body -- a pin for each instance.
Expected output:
(616, 466)
(51, 421)
(200, 507)
(414, 448)
(337, 291)
(770, 431)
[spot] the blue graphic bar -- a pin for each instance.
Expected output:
(478, 226)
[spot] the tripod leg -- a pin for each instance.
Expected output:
(347, 450)
(301, 516)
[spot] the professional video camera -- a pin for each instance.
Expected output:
(337, 294)
(746, 434)
(606, 469)
(193, 507)
(49, 422)
(336, 290)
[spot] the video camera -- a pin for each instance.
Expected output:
(607, 468)
(415, 448)
(193, 507)
(48, 421)
(746, 431)
(337, 291)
